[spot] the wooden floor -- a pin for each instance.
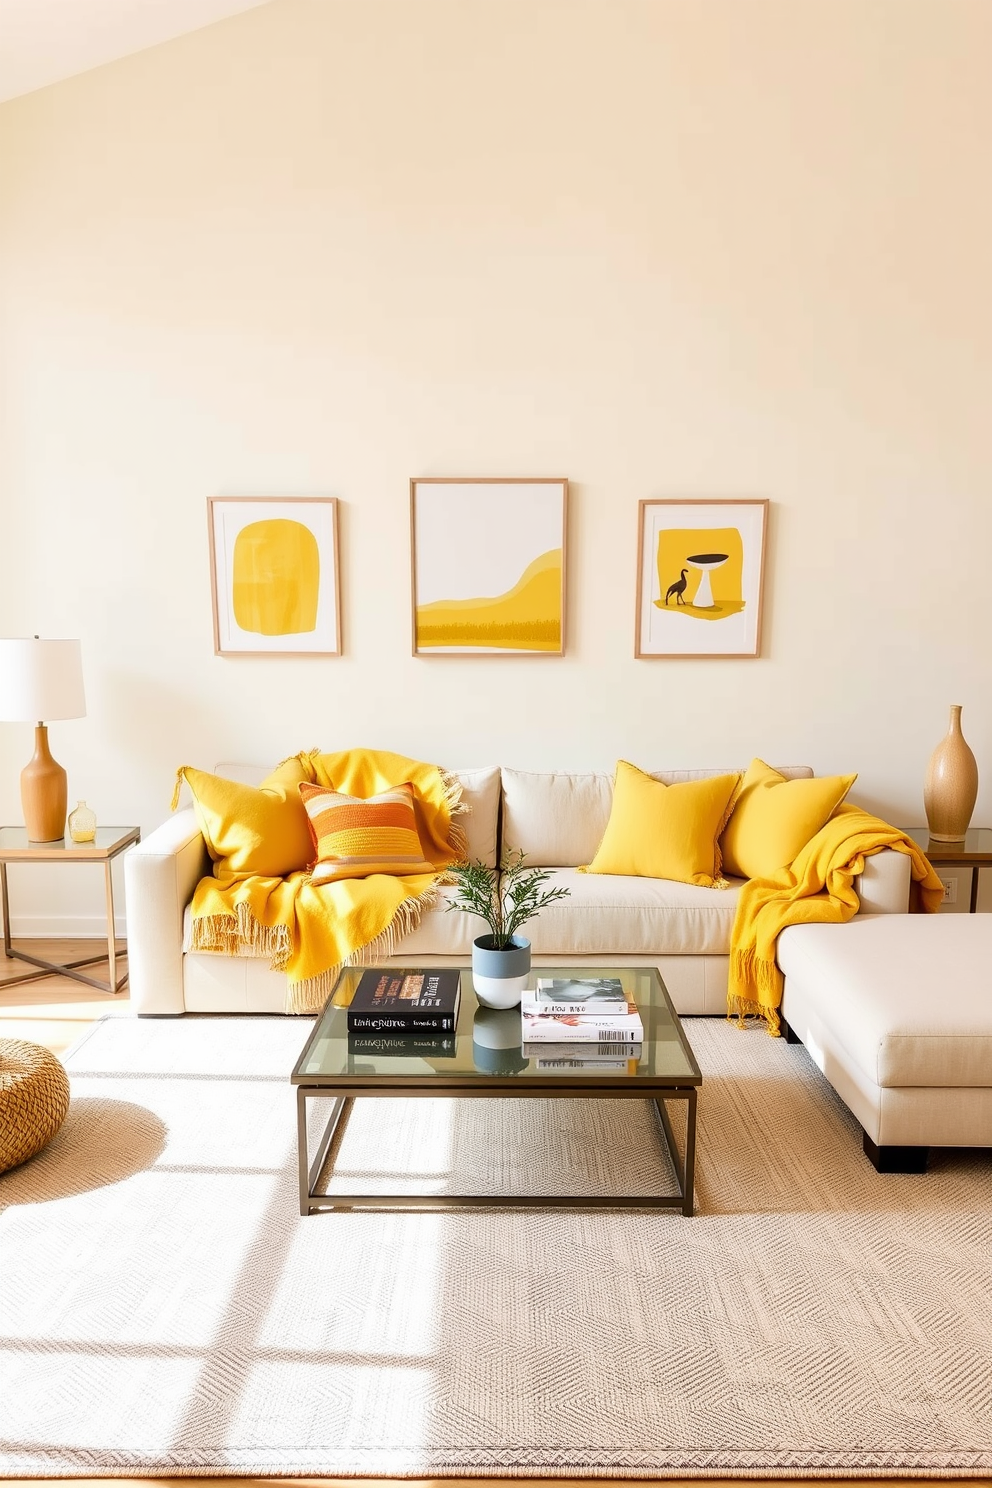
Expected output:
(55, 1012)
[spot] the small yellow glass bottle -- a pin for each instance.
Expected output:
(82, 823)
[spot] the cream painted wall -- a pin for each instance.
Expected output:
(719, 248)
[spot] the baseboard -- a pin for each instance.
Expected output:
(65, 927)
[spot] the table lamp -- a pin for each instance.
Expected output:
(41, 680)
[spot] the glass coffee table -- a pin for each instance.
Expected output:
(484, 1058)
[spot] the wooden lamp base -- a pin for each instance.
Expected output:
(44, 792)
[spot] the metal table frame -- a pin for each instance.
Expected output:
(63, 852)
(312, 1202)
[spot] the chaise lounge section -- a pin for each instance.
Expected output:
(895, 1011)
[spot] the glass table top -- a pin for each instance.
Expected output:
(15, 842)
(486, 1046)
(977, 843)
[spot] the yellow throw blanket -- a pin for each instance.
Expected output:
(311, 932)
(816, 889)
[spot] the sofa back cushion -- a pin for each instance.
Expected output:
(665, 831)
(558, 818)
(773, 818)
(480, 795)
(249, 829)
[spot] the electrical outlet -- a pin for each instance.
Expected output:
(950, 890)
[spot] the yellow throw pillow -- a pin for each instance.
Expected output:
(772, 818)
(353, 838)
(251, 829)
(665, 831)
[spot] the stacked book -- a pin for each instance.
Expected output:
(581, 1024)
(404, 1011)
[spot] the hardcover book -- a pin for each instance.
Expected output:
(405, 1000)
(576, 995)
(617, 1063)
(590, 1028)
(626, 1050)
(427, 1045)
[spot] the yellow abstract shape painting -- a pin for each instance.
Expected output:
(524, 618)
(276, 579)
(700, 572)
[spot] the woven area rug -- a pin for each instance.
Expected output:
(164, 1309)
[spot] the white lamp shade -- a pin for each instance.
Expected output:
(40, 680)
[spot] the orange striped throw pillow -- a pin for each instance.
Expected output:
(354, 838)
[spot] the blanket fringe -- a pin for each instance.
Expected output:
(310, 995)
(742, 1009)
(241, 934)
(457, 807)
(749, 970)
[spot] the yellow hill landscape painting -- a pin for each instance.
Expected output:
(526, 617)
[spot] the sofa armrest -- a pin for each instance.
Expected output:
(883, 887)
(160, 874)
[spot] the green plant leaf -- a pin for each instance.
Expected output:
(505, 899)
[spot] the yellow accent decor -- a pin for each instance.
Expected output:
(310, 931)
(771, 818)
(353, 837)
(276, 578)
(665, 831)
(816, 890)
(676, 545)
(248, 829)
(525, 618)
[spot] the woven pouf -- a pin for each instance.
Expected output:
(34, 1098)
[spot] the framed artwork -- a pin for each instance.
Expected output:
(274, 575)
(488, 562)
(699, 573)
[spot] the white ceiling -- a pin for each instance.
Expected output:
(42, 41)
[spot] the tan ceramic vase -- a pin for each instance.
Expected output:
(951, 787)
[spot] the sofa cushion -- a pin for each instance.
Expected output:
(773, 818)
(355, 837)
(905, 996)
(664, 831)
(480, 797)
(606, 914)
(442, 932)
(555, 819)
(252, 829)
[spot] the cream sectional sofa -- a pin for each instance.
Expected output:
(556, 818)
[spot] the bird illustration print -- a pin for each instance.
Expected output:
(678, 589)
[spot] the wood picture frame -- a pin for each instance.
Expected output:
(700, 574)
(487, 565)
(275, 575)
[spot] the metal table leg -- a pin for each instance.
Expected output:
(67, 968)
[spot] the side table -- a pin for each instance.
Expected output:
(16, 847)
(975, 852)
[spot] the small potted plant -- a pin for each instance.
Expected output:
(506, 899)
